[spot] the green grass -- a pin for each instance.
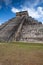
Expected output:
(19, 53)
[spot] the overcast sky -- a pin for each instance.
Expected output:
(8, 8)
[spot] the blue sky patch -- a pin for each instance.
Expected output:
(8, 8)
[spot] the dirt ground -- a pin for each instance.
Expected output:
(21, 54)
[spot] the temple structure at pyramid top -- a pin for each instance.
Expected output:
(22, 13)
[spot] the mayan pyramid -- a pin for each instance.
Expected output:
(21, 28)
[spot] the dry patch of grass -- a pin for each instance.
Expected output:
(18, 53)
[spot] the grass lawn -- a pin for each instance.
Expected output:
(19, 53)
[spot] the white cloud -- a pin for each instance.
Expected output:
(0, 21)
(7, 2)
(14, 10)
(35, 13)
(36, 2)
(32, 4)
(40, 10)
(32, 12)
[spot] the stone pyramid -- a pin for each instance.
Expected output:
(21, 28)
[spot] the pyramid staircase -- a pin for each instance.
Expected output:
(21, 28)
